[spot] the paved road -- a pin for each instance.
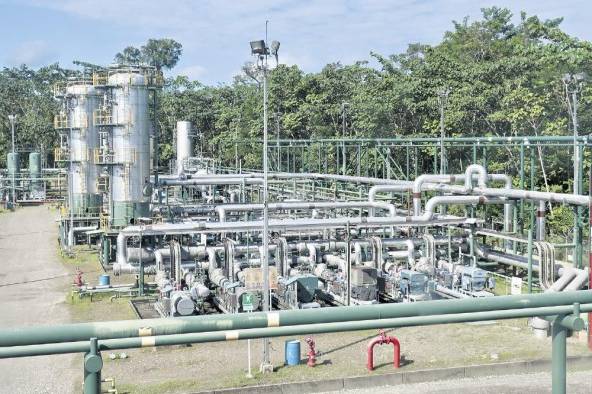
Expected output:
(32, 283)
(577, 383)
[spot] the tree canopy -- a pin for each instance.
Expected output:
(161, 53)
(504, 79)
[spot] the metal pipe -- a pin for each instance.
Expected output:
(74, 230)
(579, 281)
(504, 258)
(231, 334)
(151, 327)
(221, 210)
(540, 221)
(534, 195)
(210, 179)
(558, 357)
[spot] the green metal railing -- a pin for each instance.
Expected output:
(562, 309)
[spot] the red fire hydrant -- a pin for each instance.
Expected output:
(78, 278)
(382, 339)
(312, 353)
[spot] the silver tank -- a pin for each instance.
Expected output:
(35, 174)
(184, 144)
(84, 99)
(13, 164)
(131, 147)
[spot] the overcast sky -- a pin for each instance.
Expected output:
(215, 33)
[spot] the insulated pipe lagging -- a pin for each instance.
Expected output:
(221, 210)
(211, 181)
(568, 275)
(513, 260)
(579, 281)
(540, 221)
(288, 224)
(481, 176)
(419, 181)
(562, 198)
(455, 200)
(237, 179)
(75, 230)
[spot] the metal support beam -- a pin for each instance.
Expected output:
(93, 363)
(559, 354)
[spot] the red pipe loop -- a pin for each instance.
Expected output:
(383, 339)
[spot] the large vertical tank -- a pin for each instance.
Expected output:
(83, 100)
(13, 164)
(35, 174)
(184, 144)
(130, 180)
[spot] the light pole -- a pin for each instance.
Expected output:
(277, 127)
(12, 119)
(259, 48)
(343, 127)
(573, 85)
(442, 100)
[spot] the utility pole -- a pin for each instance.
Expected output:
(442, 100)
(12, 119)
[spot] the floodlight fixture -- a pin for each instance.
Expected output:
(275, 46)
(258, 47)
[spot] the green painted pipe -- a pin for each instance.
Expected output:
(254, 333)
(558, 357)
(93, 363)
(529, 277)
(179, 325)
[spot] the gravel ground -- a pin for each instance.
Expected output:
(577, 383)
(32, 283)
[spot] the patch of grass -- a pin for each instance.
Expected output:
(101, 306)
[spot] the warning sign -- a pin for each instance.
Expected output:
(516, 286)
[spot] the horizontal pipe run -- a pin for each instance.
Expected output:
(267, 332)
(257, 178)
(154, 327)
(290, 224)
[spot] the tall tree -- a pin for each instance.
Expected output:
(163, 53)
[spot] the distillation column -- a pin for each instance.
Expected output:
(130, 179)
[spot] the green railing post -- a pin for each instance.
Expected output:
(530, 260)
(93, 363)
(558, 351)
(521, 221)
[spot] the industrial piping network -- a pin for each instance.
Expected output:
(332, 265)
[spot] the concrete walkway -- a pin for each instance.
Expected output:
(32, 292)
(578, 383)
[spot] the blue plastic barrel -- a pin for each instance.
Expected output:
(104, 280)
(292, 350)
